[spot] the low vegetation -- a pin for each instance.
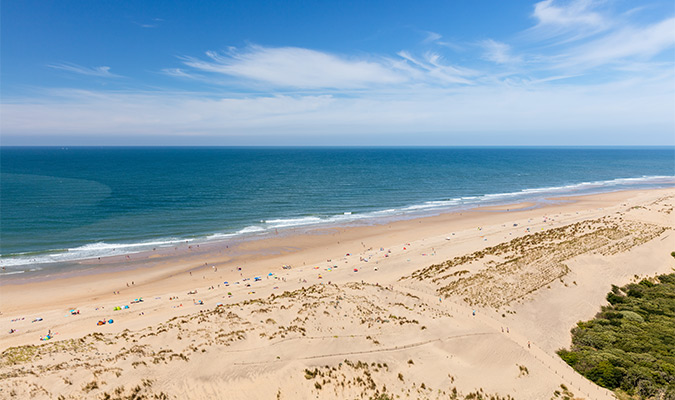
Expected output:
(629, 346)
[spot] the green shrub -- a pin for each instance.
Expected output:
(630, 345)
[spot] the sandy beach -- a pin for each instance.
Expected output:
(458, 303)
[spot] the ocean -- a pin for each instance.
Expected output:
(59, 205)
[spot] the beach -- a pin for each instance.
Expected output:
(474, 301)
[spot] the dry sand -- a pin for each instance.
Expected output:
(362, 312)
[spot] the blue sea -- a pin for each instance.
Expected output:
(65, 204)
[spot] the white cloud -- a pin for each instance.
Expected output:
(627, 43)
(567, 22)
(624, 108)
(180, 73)
(102, 72)
(574, 14)
(430, 69)
(435, 39)
(154, 24)
(306, 69)
(432, 37)
(293, 67)
(498, 52)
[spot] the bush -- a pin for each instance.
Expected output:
(630, 345)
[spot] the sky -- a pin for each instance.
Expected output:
(383, 73)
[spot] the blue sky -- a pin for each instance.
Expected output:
(338, 73)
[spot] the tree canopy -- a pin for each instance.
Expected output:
(630, 344)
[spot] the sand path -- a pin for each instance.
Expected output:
(375, 351)
(552, 362)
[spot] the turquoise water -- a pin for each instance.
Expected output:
(61, 204)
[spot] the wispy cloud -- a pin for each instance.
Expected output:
(640, 105)
(627, 43)
(565, 22)
(432, 37)
(299, 68)
(498, 52)
(293, 67)
(149, 25)
(436, 39)
(180, 73)
(430, 69)
(101, 72)
(574, 14)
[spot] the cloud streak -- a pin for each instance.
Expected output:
(101, 72)
(298, 68)
(576, 13)
(498, 52)
(642, 105)
(293, 67)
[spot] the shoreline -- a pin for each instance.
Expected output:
(159, 272)
(194, 247)
(487, 202)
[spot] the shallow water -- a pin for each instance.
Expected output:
(61, 204)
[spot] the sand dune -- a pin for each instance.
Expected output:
(452, 306)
